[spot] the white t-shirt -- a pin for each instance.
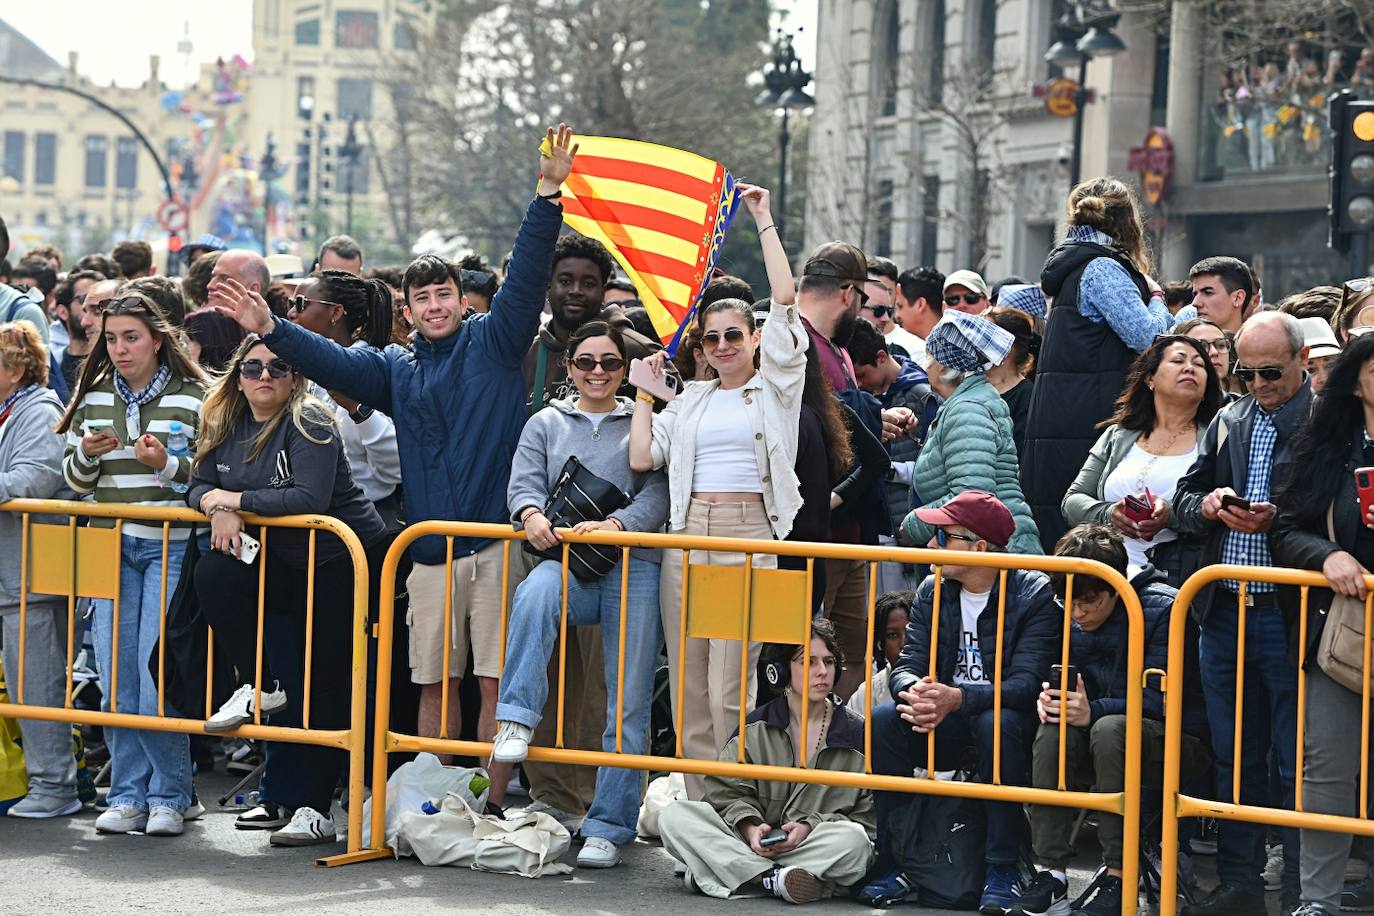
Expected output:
(596, 419)
(725, 460)
(914, 346)
(1138, 470)
(970, 667)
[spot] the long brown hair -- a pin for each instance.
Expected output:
(98, 366)
(1135, 408)
(1109, 206)
(820, 397)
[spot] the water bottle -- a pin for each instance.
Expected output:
(178, 446)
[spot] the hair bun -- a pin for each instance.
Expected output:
(1090, 211)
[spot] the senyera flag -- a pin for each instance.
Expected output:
(662, 212)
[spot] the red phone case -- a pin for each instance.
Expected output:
(1135, 512)
(1364, 486)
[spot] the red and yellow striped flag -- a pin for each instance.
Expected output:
(662, 212)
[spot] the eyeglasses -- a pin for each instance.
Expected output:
(711, 339)
(863, 296)
(586, 362)
(879, 311)
(942, 537)
(1220, 345)
(252, 368)
(300, 303)
(969, 299)
(1268, 373)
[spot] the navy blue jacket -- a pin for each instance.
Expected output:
(1032, 633)
(458, 403)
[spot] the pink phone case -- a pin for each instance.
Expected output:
(664, 387)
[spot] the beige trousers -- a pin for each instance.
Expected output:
(837, 852)
(710, 706)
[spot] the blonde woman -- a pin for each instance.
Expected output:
(270, 448)
(135, 387)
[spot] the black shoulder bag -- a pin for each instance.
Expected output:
(581, 496)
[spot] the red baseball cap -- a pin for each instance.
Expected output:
(982, 513)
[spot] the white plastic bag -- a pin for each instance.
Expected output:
(663, 791)
(527, 844)
(425, 779)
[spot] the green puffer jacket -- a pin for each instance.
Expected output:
(970, 447)
(768, 741)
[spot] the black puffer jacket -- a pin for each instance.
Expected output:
(1078, 376)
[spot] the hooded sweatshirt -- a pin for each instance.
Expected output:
(27, 310)
(30, 468)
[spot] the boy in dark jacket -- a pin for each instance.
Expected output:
(1095, 709)
(957, 702)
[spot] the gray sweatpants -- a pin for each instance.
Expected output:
(837, 852)
(47, 745)
(1330, 784)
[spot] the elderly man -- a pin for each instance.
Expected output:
(1242, 459)
(247, 267)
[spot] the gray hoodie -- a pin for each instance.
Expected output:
(25, 310)
(561, 430)
(30, 468)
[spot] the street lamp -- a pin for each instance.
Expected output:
(1081, 34)
(350, 152)
(784, 89)
(269, 170)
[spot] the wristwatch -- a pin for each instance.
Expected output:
(361, 414)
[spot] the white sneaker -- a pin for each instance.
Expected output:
(573, 822)
(795, 885)
(195, 810)
(41, 806)
(512, 743)
(122, 819)
(164, 821)
(598, 852)
(308, 827)
(238, 709)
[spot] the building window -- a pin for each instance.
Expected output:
(930, 219)
(403, 36)
(126, 163)
(41, 218)
(14, 155)
(882, 219)
(886, 65)
(355, 99)
(934, 52)
(355, 29)
(986, 37)
(97, 154)
(308, 32)
(45, 159)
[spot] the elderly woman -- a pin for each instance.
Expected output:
(970, 445)
(1150, 442)
(31, 468)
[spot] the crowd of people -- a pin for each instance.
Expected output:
(1093, 414)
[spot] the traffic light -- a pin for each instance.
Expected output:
(1352, 168)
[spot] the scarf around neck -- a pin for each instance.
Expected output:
(133, 422)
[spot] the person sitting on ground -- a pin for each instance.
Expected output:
(957, 704)
(797, 842)
(889, 627)
(1095, 709)
(595, 428)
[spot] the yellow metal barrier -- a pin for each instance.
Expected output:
(1178, 805)
(65, 559)
(717, 603)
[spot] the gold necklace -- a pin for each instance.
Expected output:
(1143, 476)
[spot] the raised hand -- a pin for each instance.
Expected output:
(555, 167)
(243, 305)
(758, 200)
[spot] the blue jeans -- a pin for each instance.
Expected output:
(147, 768)
(530, 638)
(897, 750)
(1270, 717)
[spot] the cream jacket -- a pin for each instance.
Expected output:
(772, 399)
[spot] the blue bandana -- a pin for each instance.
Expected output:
(133, 423)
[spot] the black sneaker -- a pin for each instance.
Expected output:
(1228, 900)
(1359, 897)
(1102, 897)
(266, 816)
(1046, 895)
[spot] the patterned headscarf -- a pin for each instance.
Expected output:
(968, 343)
(133, 423)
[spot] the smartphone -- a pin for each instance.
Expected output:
(1364, 486)
(105, 427)
(1056, 670)
(1235, 502)
(1137, 508)
(773, 838)
(663, 387)
(248, 548)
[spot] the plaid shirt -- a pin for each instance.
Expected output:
(968, 343)
(1253, 549)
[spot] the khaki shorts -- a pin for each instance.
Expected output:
(476, 613)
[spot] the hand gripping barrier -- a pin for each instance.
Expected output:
(79, 562)
(1178, 805)
(720, 602)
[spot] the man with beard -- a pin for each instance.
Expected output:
(70, 298)
(577, 285)
(829, 298)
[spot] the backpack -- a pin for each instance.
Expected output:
(939, 842)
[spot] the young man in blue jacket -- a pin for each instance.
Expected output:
(957, 704)
(458, 399)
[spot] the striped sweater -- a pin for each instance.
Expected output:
(118, 477)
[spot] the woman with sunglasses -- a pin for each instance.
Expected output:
(730, 447)
(136, 386)
(594, 427)
(1171, 396)
(270, 448)
(1355, 314)
(1220, 353)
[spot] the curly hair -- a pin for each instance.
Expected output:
(576, 245)
(20, 345)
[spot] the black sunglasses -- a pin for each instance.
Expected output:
(879, 311)
(586, 362)
(127, 305)
(711, 339)
(252, 368)
(942, 537)
(1268, 373)
(969, 299)
(300, 303)
(858, 288)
